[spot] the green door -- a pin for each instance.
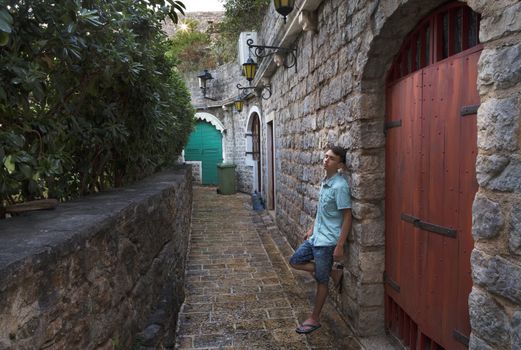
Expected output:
(205, 145)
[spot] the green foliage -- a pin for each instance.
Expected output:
(190, 48)
(240, 16)
(88, 98)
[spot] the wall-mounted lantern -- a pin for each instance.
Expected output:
(284, 7)
(289, 57)
(250, 69)
(203, 79)
(238, 103)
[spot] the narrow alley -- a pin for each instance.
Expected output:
(240, 291)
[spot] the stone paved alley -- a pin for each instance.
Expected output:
(240, 291)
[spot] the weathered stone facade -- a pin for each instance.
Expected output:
(337, 95)
(89, 274)
(223, 90)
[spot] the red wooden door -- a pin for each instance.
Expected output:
(430, 186)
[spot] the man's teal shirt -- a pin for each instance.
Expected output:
(334, 196)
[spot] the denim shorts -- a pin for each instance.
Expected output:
(322, 256)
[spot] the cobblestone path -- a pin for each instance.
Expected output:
(240, 291)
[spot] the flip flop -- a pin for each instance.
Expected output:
(307, 328)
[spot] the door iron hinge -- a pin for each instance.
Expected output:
(393, 284)
(427, 226)
(468, 110)
(460, 337)
(392, 124)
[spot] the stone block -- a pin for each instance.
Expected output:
(516, 330)
(366, 210)
(510, 178)
(490, 166)
(371, 295)
(514, 241)
(488, 319)
(372, 134)
(476, 343)
(372, 266)
(497, 275)
(370, 232)
(486, 6)
(367, 186)
(371, 321)
(498, 124)
(500, 67)
(373, 162)
(503, 21)
(487, 219)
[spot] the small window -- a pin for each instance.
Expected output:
(445, 35)
(447, 31)
(458, 31)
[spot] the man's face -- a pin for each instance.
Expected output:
(332, 162)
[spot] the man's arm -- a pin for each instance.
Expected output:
(309, 232)
(344, 231)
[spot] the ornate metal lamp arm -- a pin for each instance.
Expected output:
(261, 51)
(244, 91)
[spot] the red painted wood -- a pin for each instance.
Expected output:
(430, 174)
(414, 336)
(467, 189)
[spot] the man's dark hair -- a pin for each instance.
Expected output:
(339, 151)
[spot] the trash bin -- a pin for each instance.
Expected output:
(226, 178)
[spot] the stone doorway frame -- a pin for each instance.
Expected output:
(254, 110)
(368, 161)
(210, 118)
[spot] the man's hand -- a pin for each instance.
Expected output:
(308, 234)
(338, 254)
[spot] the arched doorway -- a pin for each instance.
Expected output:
(431, 150)
(205, 147)
(253, 148)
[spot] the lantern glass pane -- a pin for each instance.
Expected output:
(249, 71)
(238, 105)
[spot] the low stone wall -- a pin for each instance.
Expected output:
(90, 274)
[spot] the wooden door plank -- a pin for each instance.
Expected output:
(467, 190)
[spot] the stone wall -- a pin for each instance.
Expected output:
(495, 301)
(88, 274)
(338, 95)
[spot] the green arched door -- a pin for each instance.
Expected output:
(205, 145)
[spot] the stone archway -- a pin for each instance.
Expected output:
(395, 20)
(197, 165)
(254, 146)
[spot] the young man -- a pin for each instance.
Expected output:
(324, 241)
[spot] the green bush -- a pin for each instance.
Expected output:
(88, 98)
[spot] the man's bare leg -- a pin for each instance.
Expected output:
(320, 299)
(309, 267)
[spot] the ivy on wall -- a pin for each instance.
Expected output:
(88, 98)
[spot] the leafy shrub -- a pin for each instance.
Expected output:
(88, 98)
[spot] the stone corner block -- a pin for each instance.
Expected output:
(498, 124)
(487, 219)
(488, 319)
(514, 240)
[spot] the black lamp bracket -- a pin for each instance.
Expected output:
(261, 51)
(262, 91)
